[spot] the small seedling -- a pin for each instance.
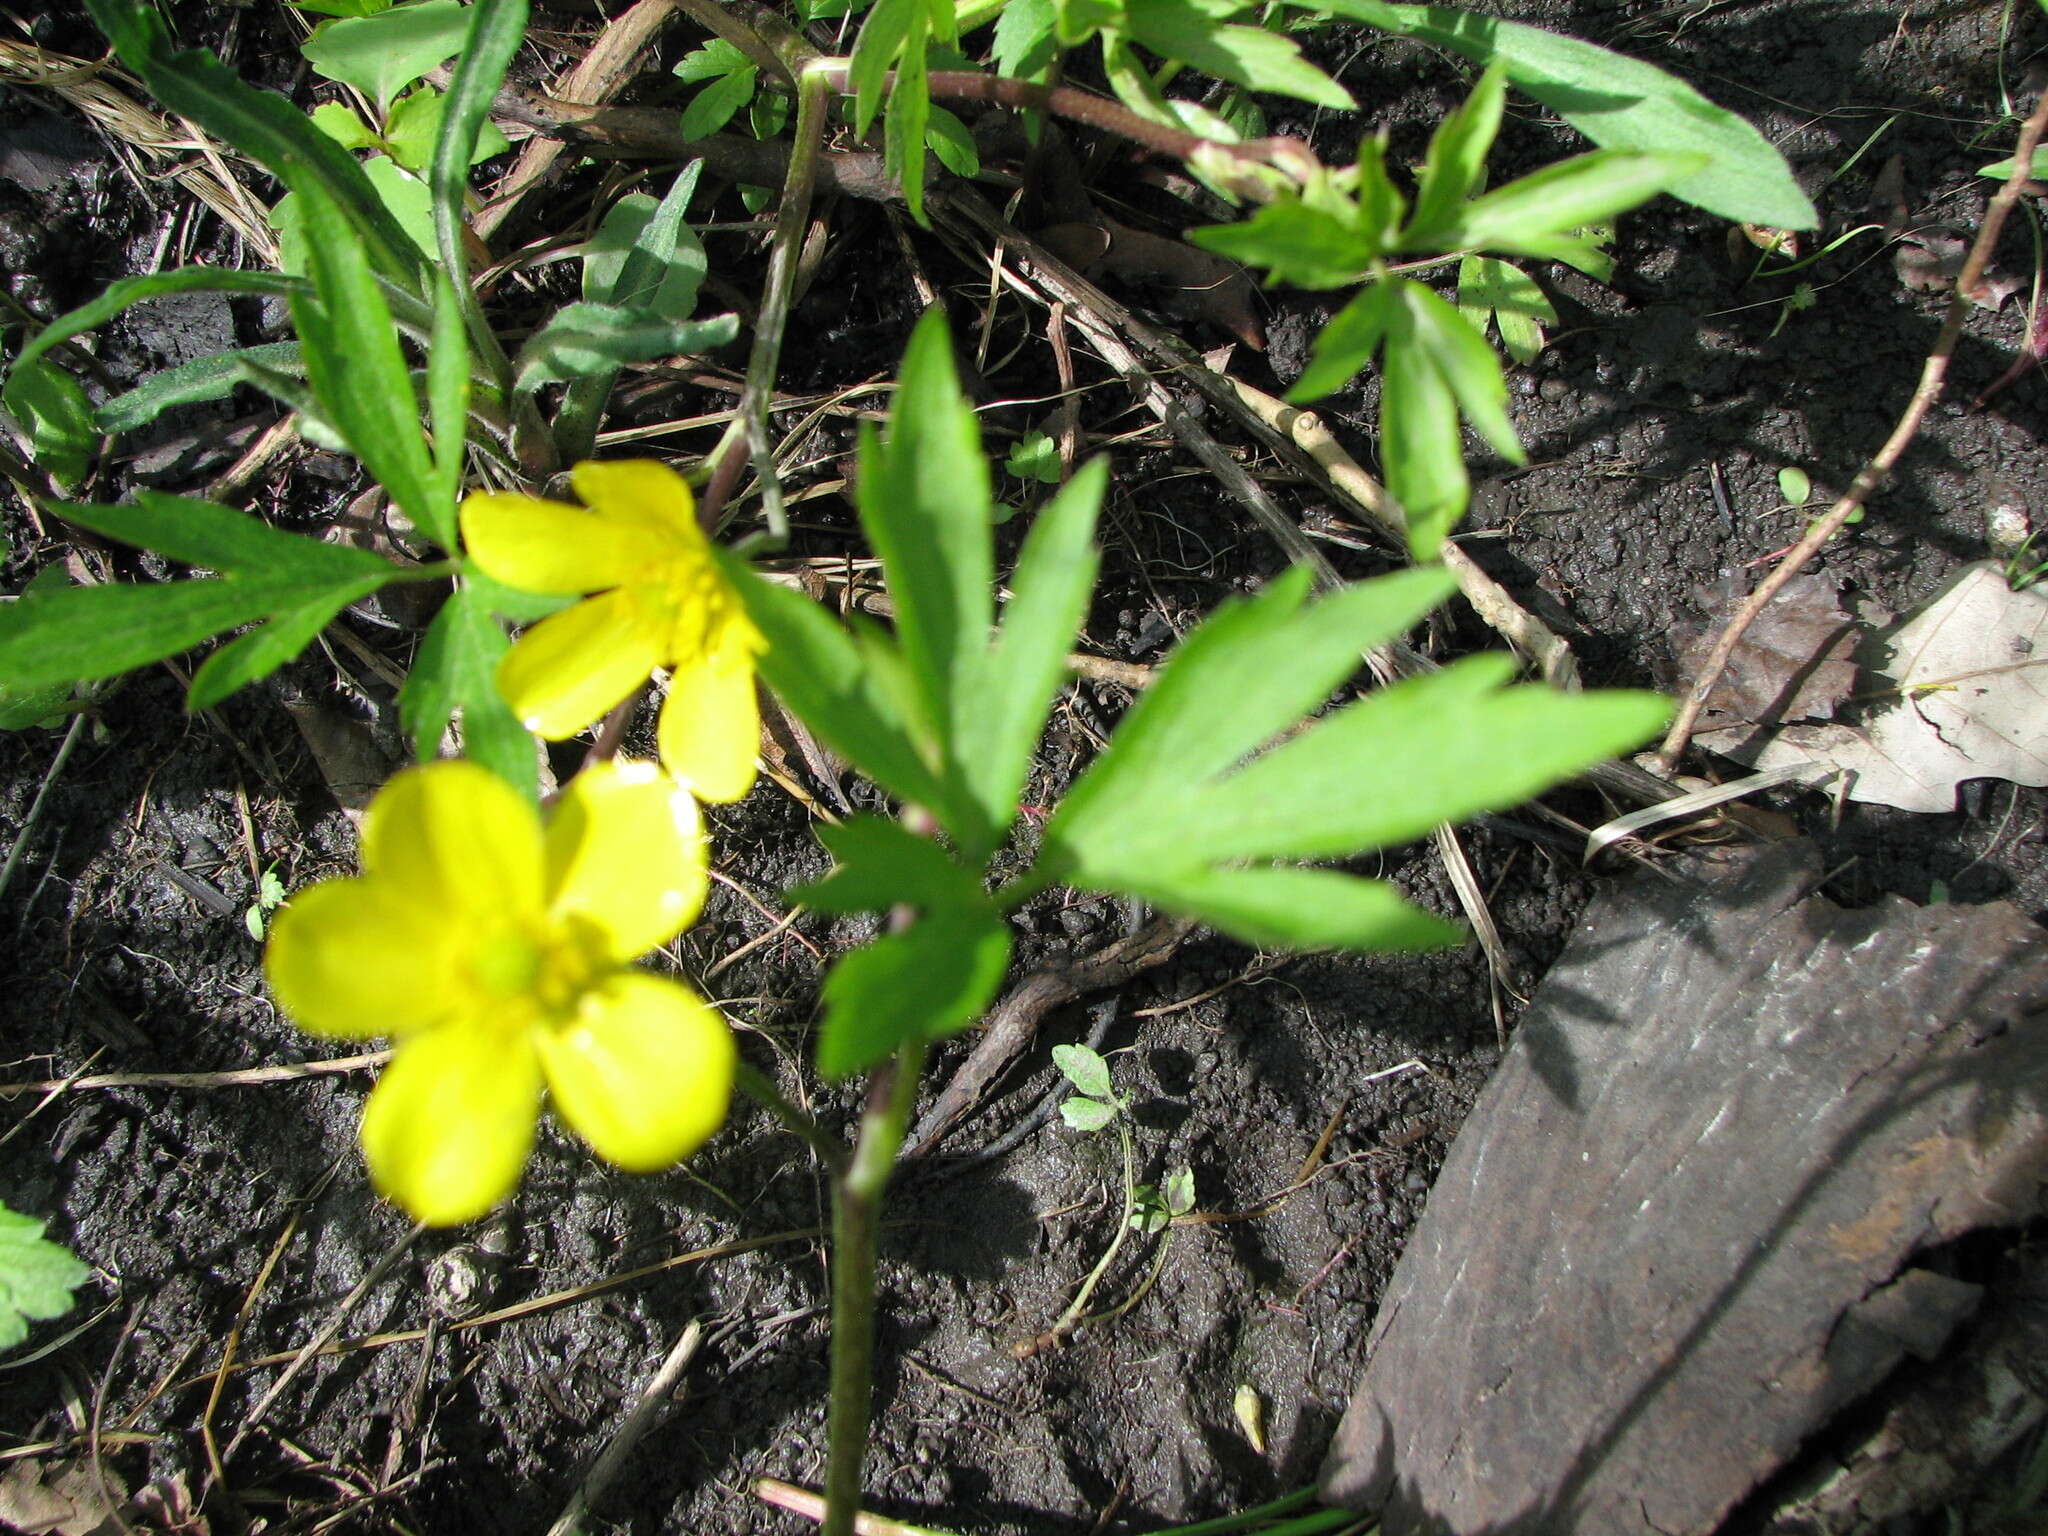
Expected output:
(269, 897)
(1034, 456)
(1147, 1208)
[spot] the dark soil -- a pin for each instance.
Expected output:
(229, 1223)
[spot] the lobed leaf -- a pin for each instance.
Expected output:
(1421, 447)
(1295, 242)
(1617, 102)
(996, 733)
(1456, 163)
(1346, 346)
(1252, 57)
(380, 55)
(1252, 669)
(36, 1276)
(1539, 214)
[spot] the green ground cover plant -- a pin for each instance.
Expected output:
(497, 938)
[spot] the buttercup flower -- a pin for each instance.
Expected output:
(661, 602)
(495, 949)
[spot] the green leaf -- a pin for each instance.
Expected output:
(644, 256)
(342, 7)
(1281, 907)
(292, 583)
(2003, 168)
(381, 55)
(1075, 21)
(36, 1276)
(1309, 246)
(925, 498)
(1345, 346)
(455, 675)
(1085, 1069)
(715, 58)
(412, 129)
(120, 295)
(1086, 1115)
(904, 122)
(1421, 447)
(253, 656)
(1024, 39)
(261, 124)
(1465, 745)
(947, 137)
(495, 31)
(1617, 102)
(880, 863)
(358, 373)
(448, 389)
(205, 533)
(1034, 456)
(582, 339)
(1456, 163)
(1251, 670)
(192, 383)
(882, 36)
(1468, 365)
(1795, 486)
(929, 981)
(1179, 1191)
(1490, 286)
(342, 124)
(714, 106)
(996, 726)
(1251, 57)
(1537, 215)
(820, 672)
(57, 416)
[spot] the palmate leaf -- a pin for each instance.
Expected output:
(879, 862)
(381, 55)
(36, 1276)
(290, 584)
(1171, 812)
(1617, 102)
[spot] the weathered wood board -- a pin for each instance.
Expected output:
(1677, 1233)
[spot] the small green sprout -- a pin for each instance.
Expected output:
(1034, 456)
(269, 897)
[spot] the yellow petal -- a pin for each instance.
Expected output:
(573, 666)
(626, 853)
(354, 958)
(457, 840)
(449, 1126)
(710, 726)
(550, 546)
(642, 492)
(643, 1072)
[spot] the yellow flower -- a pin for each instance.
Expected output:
(495, 949)
(661, 602)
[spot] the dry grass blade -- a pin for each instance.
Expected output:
(245, 1077)
(606, 1469)
(84, 86)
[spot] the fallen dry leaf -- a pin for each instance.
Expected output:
(1968, 699)
(1796, 662)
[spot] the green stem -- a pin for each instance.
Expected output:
(749, 431)
(1072, 1318)
(856, 1218)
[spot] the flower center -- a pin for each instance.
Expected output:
(537, 972)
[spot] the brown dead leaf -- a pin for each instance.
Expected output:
(58, 1499)
(1796, 662)
(1204, 286)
